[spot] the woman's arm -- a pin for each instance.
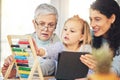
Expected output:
(8, 61)
(116, 65)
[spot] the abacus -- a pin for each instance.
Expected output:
(22, 47)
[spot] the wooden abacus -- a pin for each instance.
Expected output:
(21, 47)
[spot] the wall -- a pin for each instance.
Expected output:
(118, 2)
(17, 16)
(0, 34)
(63, 11)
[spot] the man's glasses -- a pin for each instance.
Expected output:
(42, 26)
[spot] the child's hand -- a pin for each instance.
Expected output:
(36, 48)
(39, 51)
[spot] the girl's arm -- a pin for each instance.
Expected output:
(50, 51)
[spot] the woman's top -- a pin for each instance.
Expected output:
(43, 44)
(116, 59)
(47, 65)
(116, 62)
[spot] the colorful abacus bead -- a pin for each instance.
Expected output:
(24, 68)
(21, 57)
(23, 42)
(21, 61)
(24, 75)
(22, 53)
(17, 49)
(24, 72)
(21, 64)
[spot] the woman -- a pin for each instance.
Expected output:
(45, 21)
(105, 22)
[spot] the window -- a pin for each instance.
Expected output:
(16, 18)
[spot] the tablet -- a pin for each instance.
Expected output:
(70, 67)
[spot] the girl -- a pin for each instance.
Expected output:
(75, 38)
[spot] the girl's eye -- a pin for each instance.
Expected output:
(65, 29)
(72, 31)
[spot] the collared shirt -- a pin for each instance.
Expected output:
(41, 43)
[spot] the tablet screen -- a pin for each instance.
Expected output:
(70, 67)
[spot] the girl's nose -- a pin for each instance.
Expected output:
(67, 32)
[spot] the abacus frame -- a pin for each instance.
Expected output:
(36, 65)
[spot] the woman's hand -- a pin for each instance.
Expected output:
(8, 61)
(89, 61)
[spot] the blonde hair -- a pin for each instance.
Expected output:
(85, 29)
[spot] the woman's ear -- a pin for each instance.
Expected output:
(113, 17)
(33, 21)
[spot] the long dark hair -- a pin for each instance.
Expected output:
(108, 8)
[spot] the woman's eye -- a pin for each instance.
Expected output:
(90, 19)
(41, 24)
(97, 19)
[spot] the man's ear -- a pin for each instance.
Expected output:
(113, 17)
(34, 24)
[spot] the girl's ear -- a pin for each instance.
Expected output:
(82, 38)
(113, 17)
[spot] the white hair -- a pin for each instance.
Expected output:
(45, 9)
